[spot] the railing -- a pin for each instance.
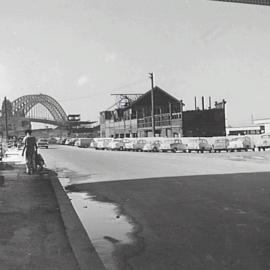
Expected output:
(160, 120)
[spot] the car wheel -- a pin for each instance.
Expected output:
(174, 150)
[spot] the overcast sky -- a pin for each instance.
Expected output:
(81, 51)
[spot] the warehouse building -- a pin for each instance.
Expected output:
(132, 117)
(203, 122)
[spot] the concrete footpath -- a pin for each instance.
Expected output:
(39, 228)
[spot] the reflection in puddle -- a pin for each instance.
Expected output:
(106, 228)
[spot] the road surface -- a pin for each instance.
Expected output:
(190, 211)
(87, 165)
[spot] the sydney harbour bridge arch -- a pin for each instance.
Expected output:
(38, 108)
(23, 105)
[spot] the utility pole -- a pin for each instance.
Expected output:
(151, 76)
(6, 118)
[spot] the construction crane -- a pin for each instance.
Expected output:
(124, 100)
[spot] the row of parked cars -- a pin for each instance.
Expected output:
(159, 144)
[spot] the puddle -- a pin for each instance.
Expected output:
(106, 228)
(2, 180)
(248, 158)
(237, 158)
(73, 177)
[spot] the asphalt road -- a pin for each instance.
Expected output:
(87, 165)
(191, 211)
(193, 222)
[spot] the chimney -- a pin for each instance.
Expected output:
(202, 103)
(195, 99)
(210, 105)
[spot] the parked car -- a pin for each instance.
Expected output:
(63, 141)
(93, 144)
(199, 145)
(52, 140)
(140, 142)
(153, 145)
(129, 144)
(241, 143)
(116, 144)
(42, 143)
(221, 144)
(83, 142)
(173, 145)
(263, 142)
(102, 143)
(70, 141)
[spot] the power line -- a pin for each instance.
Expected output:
(115, 89)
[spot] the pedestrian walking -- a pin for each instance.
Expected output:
(30, 150)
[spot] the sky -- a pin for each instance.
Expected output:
(82, 51)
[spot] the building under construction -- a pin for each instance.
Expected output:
(132, 117)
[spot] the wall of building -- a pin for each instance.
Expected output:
(204, 123)
(165, 126)
(247, 130)
(49, 133)
(263, 122)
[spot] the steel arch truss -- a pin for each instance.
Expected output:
(24, 104)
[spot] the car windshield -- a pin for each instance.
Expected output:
(169, 141)
(220, 141)
(237, 139)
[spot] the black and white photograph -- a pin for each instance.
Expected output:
(134, 135)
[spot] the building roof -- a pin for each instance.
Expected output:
(160, 97)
